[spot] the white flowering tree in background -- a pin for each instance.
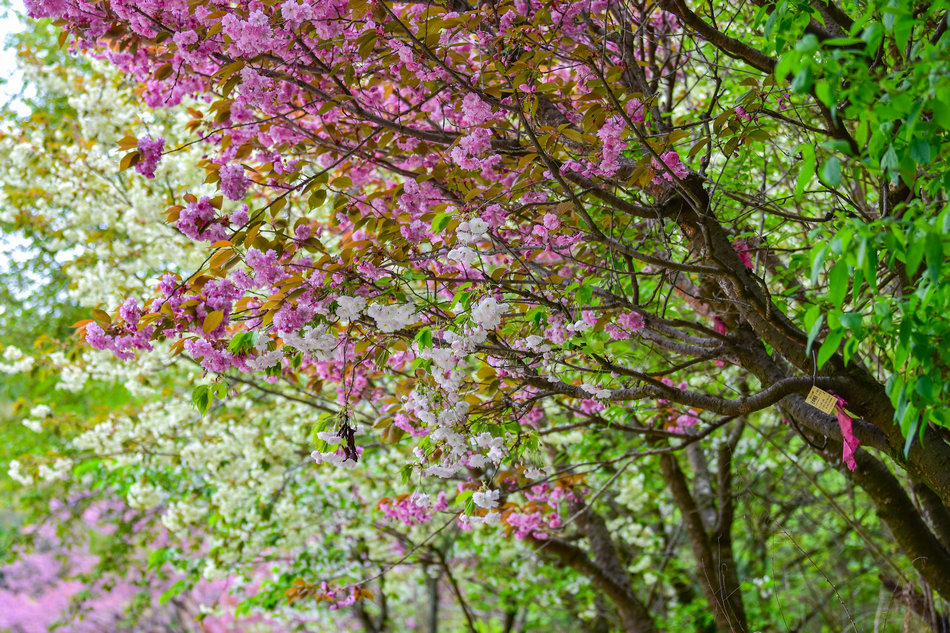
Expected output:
(497, 316)
(85, 236)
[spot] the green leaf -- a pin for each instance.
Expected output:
(536, 315)
(584, 295)
(850, 348)
(770, 23)
(441, 221)
(889, 161)
(803, 81)
(909, 442)
(824, 93)
(933, 250)
(867, 261)
(808, 44)
(424, 338)
(853, 321)
(941, 112)
(241, 343)
(910, 425)
(813, 332)
(811, 316)
(157, 558)
(838, 283)
(831, 172)
(463, 297)
(830, 346)
(175, 590)
(317, 199)
(841, 41)
(914, 255)
(837, 145)
(925, 387)
(818, 262)
(893, 387)
(785, 65)
(201, 397)
(84, 467)
(872, 34)
(888, 20)
(808, 170)
(903, 26)
(920, 151)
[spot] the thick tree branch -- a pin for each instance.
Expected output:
(719, 585)
(728, 45)
(633, 614)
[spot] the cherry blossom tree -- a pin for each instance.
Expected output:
(496, 258)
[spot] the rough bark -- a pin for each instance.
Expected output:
(928, 461)
(918, 604)
(604, 571)
(713, 553)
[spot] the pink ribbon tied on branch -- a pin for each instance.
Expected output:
(850, 442)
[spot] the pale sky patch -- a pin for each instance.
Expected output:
(10, 23)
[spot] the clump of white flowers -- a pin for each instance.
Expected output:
(16, 361)
(59, 470)
(487, 499)
(37, 415)
(598, 392)
(471, 230)
(488, 313)
(463, 255)
(390, 318)
(17, 474)
(315, 341)
(349, 308)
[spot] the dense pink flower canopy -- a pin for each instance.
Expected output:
(335, 76)
(396, 117)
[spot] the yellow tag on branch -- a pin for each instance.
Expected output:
(822, 400)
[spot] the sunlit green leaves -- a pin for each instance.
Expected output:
(242, 343)
(831, 171)
(838, 281)
(806, 171)
(203, 396)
